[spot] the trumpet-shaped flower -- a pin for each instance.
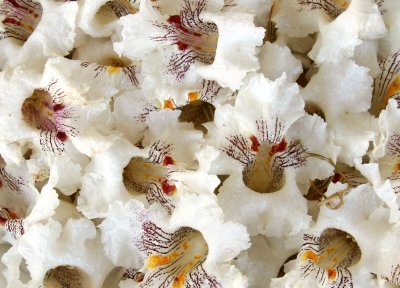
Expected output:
(339, 250)
(194, 34)
(32, 31)
(263, 151)
(182, 251)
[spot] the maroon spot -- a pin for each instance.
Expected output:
(58, 107)
(62, 136)
(181, 46)
(167, 188)
(177, 21)
(168, 161)
(255, 145)
(1, 184)
(336, 177)
(3, 220)
(279, 147)
(11, 21)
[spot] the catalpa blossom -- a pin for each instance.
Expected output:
(32, 31)
(199, 143)
(194, 34)
(176, 255)
(338, 251)
(157, 172)
(263, 152)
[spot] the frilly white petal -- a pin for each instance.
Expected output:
(382, 188)
(260, 213)
(262, 98)
(259, 7)
(236, 50)
(117, 235)
(135, 42)
(45, 205)
(276, 60)
(313, 133)
(75, 244)
(344, 107)
(54, 35)
(102, 182)
(263, 260)
(65, 175)
(361, 20)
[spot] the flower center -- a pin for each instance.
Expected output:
(140, 173)
(64, 276)
(265, 174)
(41, 113)
(180, 262)
(20, 18)
(332, 251)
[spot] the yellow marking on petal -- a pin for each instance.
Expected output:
(193, 96)
(342, 3)
(197, 257)
(179, 281)
(332, 274)
(309, 255)
(185, 245)
(159, 260)
(394, 88)
(329, 250)
(168, 104)
(111, 69)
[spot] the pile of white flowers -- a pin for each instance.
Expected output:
(199, 143)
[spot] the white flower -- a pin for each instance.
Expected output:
(263, 151)
(185, 251)
(194, 35)
(35, 31)
(157, 172)
(79, 261)
(340, 250)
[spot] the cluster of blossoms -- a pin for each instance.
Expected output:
(199, 143)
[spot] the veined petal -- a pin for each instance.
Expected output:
(53, 35)
(99, 18)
